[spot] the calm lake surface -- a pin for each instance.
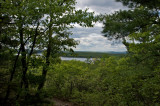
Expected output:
(74, 58)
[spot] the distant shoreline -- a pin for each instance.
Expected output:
(89, 54)
(84, 54)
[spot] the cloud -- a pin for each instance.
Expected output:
(91, 39)
(96, 42)
(80, 32)
(100, 6)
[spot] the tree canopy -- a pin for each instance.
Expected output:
(138, 27)
(28, 25)
(153, 4)
(30, 78)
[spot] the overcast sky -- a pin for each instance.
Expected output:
(91, 39)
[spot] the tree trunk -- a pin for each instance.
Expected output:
(45, 67)
(25, 63)
(34, 42)
(23, 60)
(125, 43)
(11, 77)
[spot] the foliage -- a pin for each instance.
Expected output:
(122, 23)
(28, 25)
(135, 3)
(84, 54)
(111, 82)
(138, 27)
(137, 73)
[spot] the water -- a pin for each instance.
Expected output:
(75, 58)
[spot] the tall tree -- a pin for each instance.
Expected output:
(42, 24)
(60, 16)
(140, 24)
(25, 19)
(122, 23)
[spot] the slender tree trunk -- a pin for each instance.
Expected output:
(45, 67)
(33, 44)
(11, 77)
(125, 43)
(23, 60)
(25, 63)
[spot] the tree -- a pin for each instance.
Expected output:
(122, 23)
(40, 25)
(61, 15)
(152, 4)
(140, 25)
(25, 21)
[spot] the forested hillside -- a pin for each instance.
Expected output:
(27, 78)
(86, 54)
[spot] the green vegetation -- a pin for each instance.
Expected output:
(28, 25)
(108, 81)
(132, 79)
(93, 54)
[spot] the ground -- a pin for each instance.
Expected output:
(58, 102)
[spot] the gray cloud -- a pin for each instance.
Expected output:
(100, 6)
(91, 39)
(82, 32)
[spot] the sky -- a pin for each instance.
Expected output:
(91, 39)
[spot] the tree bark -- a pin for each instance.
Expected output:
(23, 60)
(125, 43)
(45, 67)
(25, 63)
(34, 42)
(11, 77)
(47, 63)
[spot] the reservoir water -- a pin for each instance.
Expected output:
(75, 58)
